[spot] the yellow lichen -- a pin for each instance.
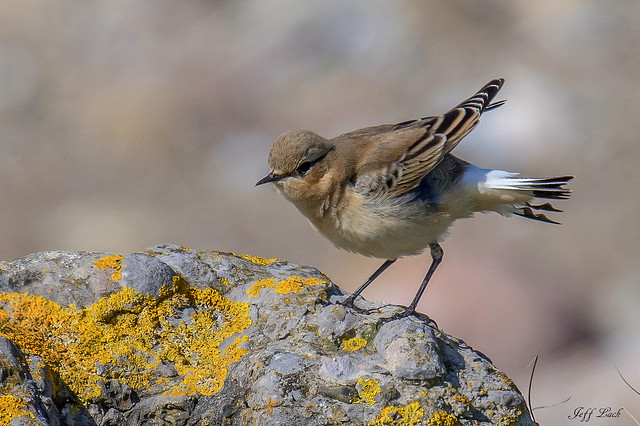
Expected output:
(270, 404)
(224, 281)
(37, 374)
(354, 344)
(462, 399)
(408, 415)
(126, 335)
(12, 407)
(294, 284)
(290, 285)
(442, 418)
(111, 262)
(511, 418)
(256, 288)
(257, 259)
(369, 389)
(504, 377)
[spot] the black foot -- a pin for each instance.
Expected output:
(407, 312)
(349, 302)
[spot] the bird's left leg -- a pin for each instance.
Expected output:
(349, 302)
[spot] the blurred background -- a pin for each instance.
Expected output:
(129, 124)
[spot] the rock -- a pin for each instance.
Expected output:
(176, 336)
(26, 388)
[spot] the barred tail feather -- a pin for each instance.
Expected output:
(481, 101)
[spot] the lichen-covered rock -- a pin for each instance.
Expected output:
(176, 336)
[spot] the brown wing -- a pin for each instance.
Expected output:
(440, 134)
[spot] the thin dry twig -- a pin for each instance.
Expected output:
(534, 361)
(626, 383)
(533, 370)
(633, 389)
(631, 415)
(553, 405)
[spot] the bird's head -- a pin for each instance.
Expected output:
(297, 163)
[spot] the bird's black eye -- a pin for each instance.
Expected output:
(304, 167)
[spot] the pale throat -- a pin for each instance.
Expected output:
(314, 200)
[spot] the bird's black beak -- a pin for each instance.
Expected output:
(271, 177)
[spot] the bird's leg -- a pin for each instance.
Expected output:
(351, 299)
(436, 255)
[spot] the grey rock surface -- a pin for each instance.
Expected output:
(177, 336)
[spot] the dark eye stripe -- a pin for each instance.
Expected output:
(305, 166)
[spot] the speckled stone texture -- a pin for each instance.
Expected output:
(177, 336)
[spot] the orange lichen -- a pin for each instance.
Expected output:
(126, 335)
(354, 344)
(408, 415)
(111, 262)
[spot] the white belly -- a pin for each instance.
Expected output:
(386, 230)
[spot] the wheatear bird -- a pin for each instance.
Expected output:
(393, 190)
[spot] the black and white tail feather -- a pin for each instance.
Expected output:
(543, 188)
